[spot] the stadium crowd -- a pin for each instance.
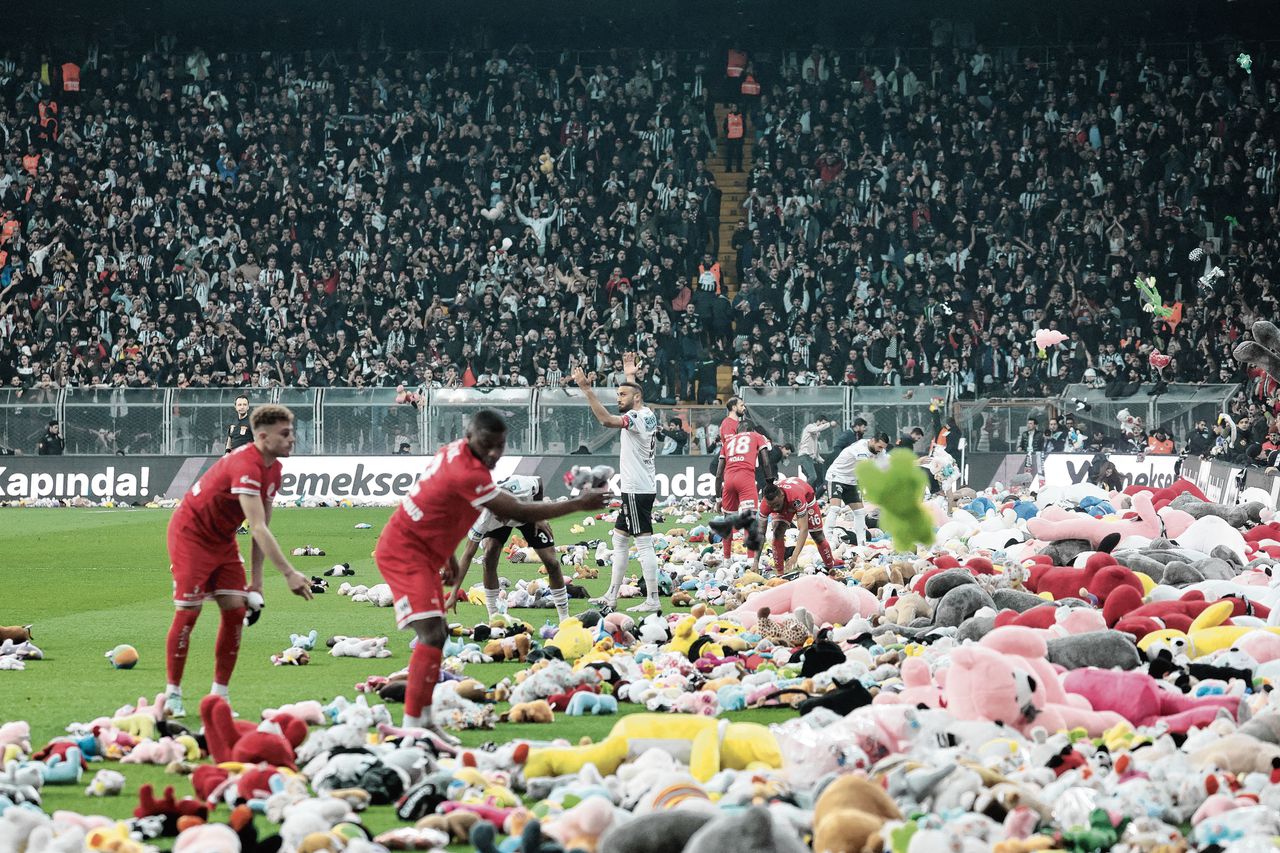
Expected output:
(377, 218)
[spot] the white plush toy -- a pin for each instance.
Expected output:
(360, 647)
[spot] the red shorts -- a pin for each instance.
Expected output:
(201, 571)
(739, 493)
(815, 522)
(417, 592)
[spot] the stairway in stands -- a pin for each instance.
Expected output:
(733, 185)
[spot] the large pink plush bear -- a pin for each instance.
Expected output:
(984, 683)
(1056, 523)
(829, 601)
(1141, 700)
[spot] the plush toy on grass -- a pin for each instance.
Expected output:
(123, 657)
(898, 491)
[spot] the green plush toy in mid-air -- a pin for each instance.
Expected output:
(899, 492)
(1153, 304)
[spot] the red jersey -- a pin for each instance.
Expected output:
(440, 509)
(800, 499)
(728, 427)
(741, 452)
(211, 511)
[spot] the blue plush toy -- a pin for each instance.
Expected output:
(586, 702)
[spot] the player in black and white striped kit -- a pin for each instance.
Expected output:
(639, 427)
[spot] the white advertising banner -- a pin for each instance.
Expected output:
(362, 480)
(1065, 469)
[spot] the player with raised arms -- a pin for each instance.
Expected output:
(639, 426)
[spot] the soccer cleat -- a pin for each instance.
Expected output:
(606, 603)
(173, 707)
(646, 607)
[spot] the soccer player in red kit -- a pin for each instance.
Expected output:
(792, 501)
(740, 454)
(416, 550)
(732, 421)
(204, 557)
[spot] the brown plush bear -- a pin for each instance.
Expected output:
(458, 824)
(680, 598)
(508, 648)
(908, 607)
(538, 711)
(589, 573)
(849, 815)
(877, 577)
(17, 633)
(471, 690)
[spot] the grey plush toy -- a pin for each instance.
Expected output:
(659, 832)
(753, 830)
(1264, 350)
(1237, 516)
(1105, 649)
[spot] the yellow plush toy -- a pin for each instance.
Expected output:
(538, 711)
(572, 639)
(682, 637)
(1207, 633)
(742, 746)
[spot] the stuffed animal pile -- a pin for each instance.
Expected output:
(1070, 669)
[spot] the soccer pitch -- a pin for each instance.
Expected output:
(89, 579)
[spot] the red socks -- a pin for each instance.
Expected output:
(184, 621)
(424, 672)
(227, 648)
(779, 553)
(824, 551)
(728, 545)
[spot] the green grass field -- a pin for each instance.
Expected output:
(93, 578)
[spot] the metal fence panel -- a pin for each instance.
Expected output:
(24, 415)
(450, 409)
(368, 421)
(115, 420)
(895, 410)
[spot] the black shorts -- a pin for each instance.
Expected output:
(845, 492)
(536, 536)
(635, 518)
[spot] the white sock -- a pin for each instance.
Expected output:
(412, 722)
(173, 690)
(560, 598)
(649, 565)
(860, 524)
(621, 556)
(219, 690)
(491, 601)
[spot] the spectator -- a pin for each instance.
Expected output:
(675, 439)
(1159, 442)
(51, 443)
(809, 457)
(1200, 441)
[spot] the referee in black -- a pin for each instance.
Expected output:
(239, 432)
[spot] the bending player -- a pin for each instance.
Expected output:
(842, 480)
(639, 426)
(206, 561)
(494, 533)
(740, 454)
(792, 501)
(415, 553)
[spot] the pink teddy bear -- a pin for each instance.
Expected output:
(163, 751)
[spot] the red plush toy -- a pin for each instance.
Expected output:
(1099, 578)
(1160, 498)
(188, 809)
(235, 740)
(560, 701)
